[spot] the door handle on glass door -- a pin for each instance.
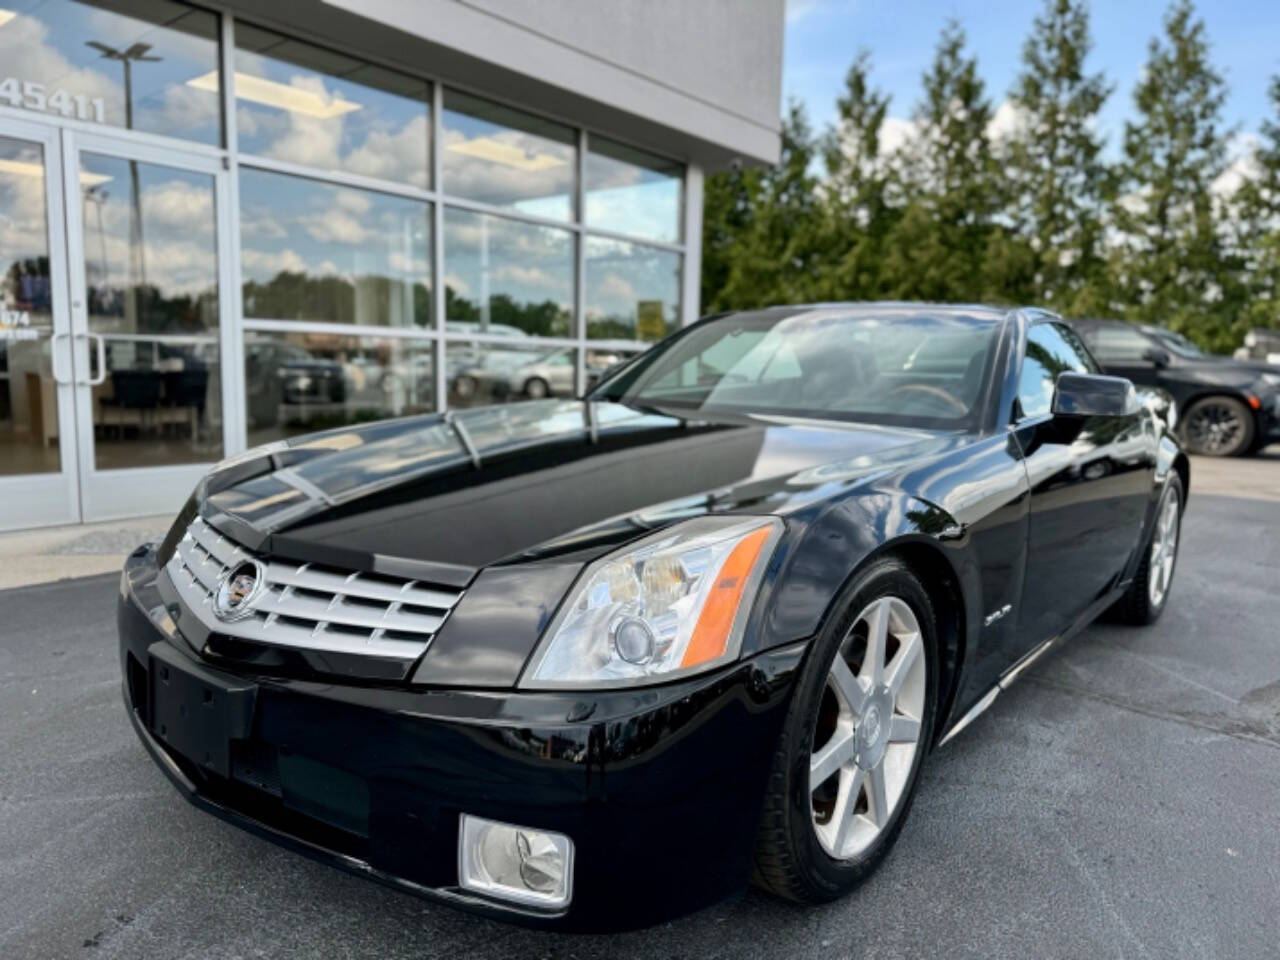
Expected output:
(53, 359)
(102, 360)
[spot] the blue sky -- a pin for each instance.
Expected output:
(823, 35)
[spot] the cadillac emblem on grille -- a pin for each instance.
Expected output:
(237, 590)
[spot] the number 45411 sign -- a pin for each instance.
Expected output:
(34, 96)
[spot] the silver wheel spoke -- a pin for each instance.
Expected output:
(877, 636)
(904, 730)
(878, 801)
(910, 648)
(835, 753)
(846, 801)
(847, 687)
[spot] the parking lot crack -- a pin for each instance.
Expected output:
(1238, 728)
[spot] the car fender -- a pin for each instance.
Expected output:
(824, 551)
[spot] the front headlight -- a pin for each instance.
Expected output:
(672, 604)
(1270, 380)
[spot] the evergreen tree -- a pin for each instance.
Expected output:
(947, 179)
(1258, 207)
(1171, 265)
(857, 187)
(779, 251)
(1052, 160)
(728, 209)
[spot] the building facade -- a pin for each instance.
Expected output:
(224, 225)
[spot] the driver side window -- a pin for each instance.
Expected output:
(1051, 349)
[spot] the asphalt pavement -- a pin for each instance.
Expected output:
(1119, 803)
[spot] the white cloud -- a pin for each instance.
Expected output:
(1241, 166)
(797, 10)
(262, 265)
(1008, 121)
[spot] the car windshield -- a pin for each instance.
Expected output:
(909, 366)
(1178, 344)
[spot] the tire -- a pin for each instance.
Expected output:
(800, 828)
(537, 389)
(1148, 594)
(1218, 426)
(465, 387)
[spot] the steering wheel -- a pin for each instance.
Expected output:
(938, 393)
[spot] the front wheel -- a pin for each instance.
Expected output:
(857, 731)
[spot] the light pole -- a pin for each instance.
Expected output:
(137, 52)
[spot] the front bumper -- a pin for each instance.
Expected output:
(660, 789)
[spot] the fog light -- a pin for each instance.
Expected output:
(527, 866)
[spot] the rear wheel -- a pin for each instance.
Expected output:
(1148, 594)
(858, 729)
(536, 388)
(1218, 427)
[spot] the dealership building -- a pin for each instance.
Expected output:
(226, 224)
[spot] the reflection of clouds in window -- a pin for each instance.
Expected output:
(291, 106)
(23, 229)
(632, 291)
(314, 251)
(48, 44)
(628, 191)
(496, 155)
(177, 227)
(508, 274)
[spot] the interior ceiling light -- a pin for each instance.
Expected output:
(279, 95)
(487, 148)
(26, 169)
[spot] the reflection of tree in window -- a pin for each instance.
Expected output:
(368, 298)
(545, 319)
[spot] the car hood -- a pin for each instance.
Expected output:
(531, 480)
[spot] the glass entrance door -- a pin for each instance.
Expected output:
(38, 457)
(149, 316)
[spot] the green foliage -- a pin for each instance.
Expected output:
(1025, 210)
(1052, 160)
(1171, 265)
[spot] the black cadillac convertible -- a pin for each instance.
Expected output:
(593, 664)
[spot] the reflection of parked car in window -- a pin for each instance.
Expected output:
(517, 373)
(1226, 407)
(279, 373)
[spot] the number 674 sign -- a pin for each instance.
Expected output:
(34, 96)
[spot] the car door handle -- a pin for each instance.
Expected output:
(102, 360)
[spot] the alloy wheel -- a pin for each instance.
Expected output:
(1164, 551)
(868, 729)
(1214, 428)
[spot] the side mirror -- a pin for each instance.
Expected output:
(1093, 395)
(1158, 357)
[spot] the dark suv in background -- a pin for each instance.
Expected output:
(1226, 407)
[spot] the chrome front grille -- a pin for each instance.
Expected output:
(309, 606)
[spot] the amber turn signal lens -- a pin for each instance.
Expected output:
(711, 635)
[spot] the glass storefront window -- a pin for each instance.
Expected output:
(150, 66)
(484, 373)
(315, 251)
(632, 291)
(301, 382)
(308, 105)
(150, 235)
(505, 158)
(632, 192)
(28, 394)
(506, 277)
(151, 275)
